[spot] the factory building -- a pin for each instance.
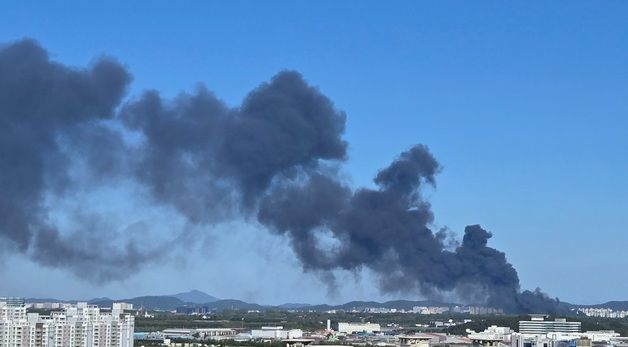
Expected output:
(215, 333)
(353, 328)
(276, 333)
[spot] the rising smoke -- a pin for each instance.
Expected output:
(273, 159)
(42, 103)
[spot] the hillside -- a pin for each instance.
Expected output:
(195, 297)
(163, 303)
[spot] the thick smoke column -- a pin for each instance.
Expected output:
(266, 155)
(42, 104)
(387, 230)
(273, 159)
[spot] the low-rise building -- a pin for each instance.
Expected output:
(414, 340)
(276, 333)
(178, 333)
(492, 336)
(352, 328)
(215, 333)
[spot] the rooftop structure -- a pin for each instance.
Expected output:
(492, 336)
(297, 342)
(414, 340)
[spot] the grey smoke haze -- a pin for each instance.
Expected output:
(41, 104)
(272, 160)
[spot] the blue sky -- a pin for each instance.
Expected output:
(523, 103)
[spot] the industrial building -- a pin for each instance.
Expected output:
(215, 333)
(198, 333)
(276, 333)
(352, 328)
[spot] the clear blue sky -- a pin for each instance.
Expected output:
(524, 103)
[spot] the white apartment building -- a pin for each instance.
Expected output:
(81, 325)
(602, 312)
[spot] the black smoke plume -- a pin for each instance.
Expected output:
(41, 104)
(273, 159)
(206, 159)
(387, 230)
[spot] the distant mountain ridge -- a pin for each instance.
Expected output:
(293, 306)
(148, 302)
(614, 305)
(171, 302)
(393, 304)
(162, 303)
(197, 298)
(42, 300)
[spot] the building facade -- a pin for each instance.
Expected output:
(352, 328)
(538, 325)
(276, 333)
(539, 332)
(81, 325)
